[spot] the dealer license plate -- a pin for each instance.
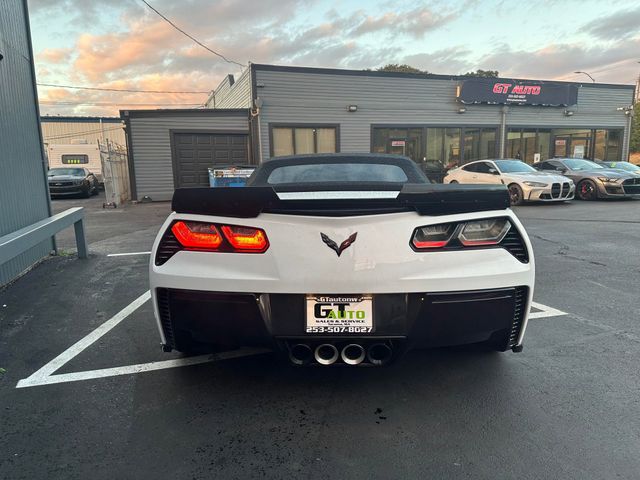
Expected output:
(339, 314)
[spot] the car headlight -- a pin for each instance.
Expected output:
(536, 184)
(608, 180)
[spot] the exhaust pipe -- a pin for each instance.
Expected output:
(300, 354)
(326, 354)
(379, 353)
(353, 354)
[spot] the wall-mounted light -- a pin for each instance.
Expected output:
(628, 110)
(352, 108)
(569, 113)
(462, 109)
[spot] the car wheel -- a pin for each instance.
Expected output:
(586, 190)
(515, 194)
(453, 181)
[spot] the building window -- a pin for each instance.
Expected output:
(298, 140)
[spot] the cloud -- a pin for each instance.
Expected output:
(447, 60)
(619, 25)
(55, 55)
(615, 63)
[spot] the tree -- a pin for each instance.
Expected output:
(634, 145)
(403, 68)
(483, 73)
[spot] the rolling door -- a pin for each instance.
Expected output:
(194, 153)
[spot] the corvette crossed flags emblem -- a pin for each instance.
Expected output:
(343, 246)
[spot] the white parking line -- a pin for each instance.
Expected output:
(46, 375)
(545, 311)
(127, 254)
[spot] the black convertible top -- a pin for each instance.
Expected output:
(408, 166)
(414, 194)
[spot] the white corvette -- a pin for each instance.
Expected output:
(341, 259)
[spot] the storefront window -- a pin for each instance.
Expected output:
(299, 140)
(399, 141)
(512, 147)
(614, 141)
(544, 145)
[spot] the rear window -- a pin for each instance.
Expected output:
(337, 172)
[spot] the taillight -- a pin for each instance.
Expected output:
(197, 235)
(246, 239)
(433, 236)
(211, 237)
(457, 235)
(489, 231)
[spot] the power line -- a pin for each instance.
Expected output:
(85, 132)
(115, 89)
(63, 103)
(192, 38)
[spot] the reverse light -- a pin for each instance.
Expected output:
(246, 239)
(197, 235)
(433, 236)
(489, 231)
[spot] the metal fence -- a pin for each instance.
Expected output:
(115, 173)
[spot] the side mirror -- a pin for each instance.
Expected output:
(493, 171)
(561, 170)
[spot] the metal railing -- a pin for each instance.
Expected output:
(15, 243)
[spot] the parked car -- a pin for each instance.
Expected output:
(72, 181)
(592, 180)
(624, 166)
(341, 259)
(524, 182)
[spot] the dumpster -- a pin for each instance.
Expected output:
(230, 175)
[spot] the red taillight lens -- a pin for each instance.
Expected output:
(246, 239)
(197, 235)
(433, 236)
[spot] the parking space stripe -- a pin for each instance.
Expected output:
(545, 311)
(139, 368)
(85, 342)
(127, 254)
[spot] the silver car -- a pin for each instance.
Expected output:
(592, 180)
(524, 182)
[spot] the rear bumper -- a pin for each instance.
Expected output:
(415, 320)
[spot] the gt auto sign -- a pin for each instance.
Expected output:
(517, 92)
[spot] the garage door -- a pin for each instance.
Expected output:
(194, 153)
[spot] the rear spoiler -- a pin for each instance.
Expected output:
(426, 199)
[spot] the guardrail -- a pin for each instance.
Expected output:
(20, 241)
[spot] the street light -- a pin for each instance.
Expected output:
(592, 79)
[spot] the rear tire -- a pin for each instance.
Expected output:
(586, 190)
(516, 197)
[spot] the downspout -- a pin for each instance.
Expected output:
(503, 130)
(627, 134)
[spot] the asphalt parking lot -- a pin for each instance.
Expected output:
(114, 406)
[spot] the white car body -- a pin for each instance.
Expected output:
(535, 185)
(380, 263)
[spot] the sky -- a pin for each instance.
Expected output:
(124, 44)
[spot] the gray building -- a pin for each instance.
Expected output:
(439, 121)
(24, 197)
(174, 148)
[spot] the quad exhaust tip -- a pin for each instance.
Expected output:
(353, 354)
(300, 354)
(326, 354)
(379, 353)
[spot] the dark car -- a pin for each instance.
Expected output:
(592, 180)
(625, 166)
(72, 181)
